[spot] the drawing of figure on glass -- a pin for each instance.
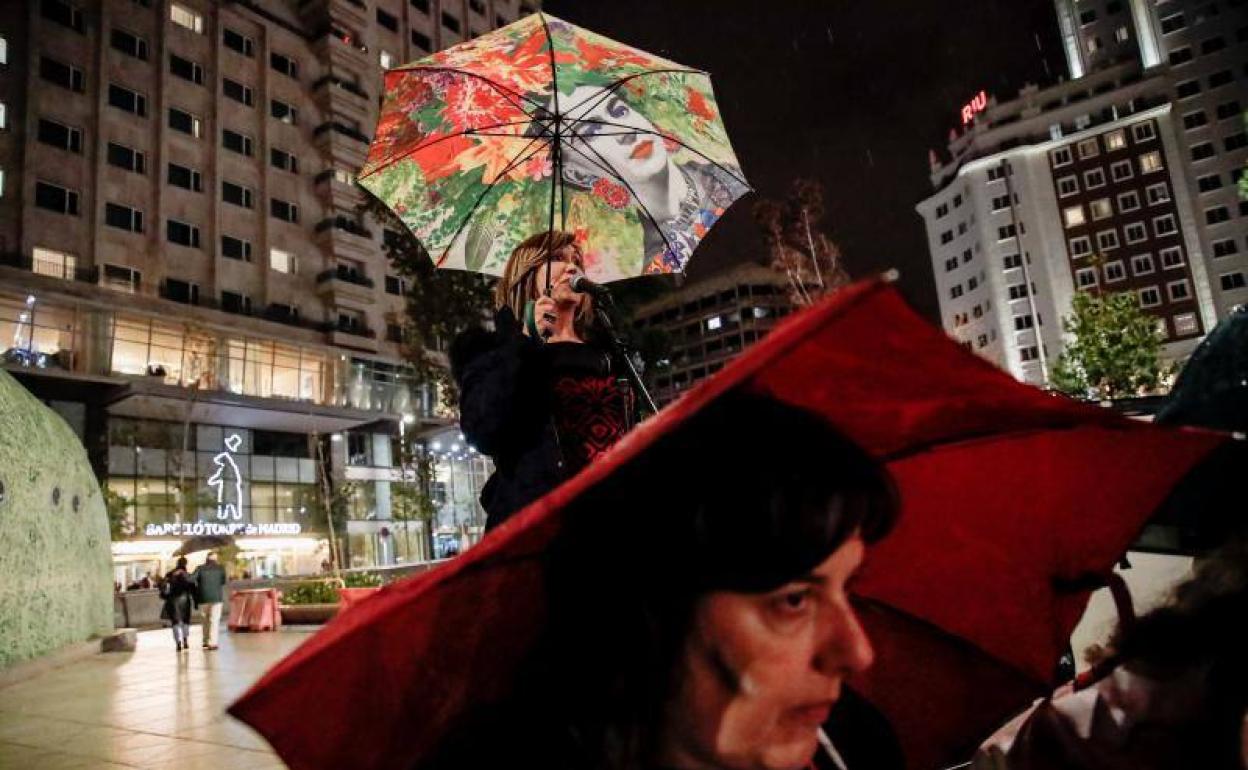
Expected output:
(228, 480)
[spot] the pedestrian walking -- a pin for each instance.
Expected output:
(210, 581)
(178, 591)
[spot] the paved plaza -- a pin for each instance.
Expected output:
(153, 708)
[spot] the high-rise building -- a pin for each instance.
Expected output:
(709, 322)
(1097, 183)
(184, 269)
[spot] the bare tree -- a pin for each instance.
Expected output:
(796, 244)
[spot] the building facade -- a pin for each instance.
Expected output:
(1094, 184)
(185, 272)
(709, 322)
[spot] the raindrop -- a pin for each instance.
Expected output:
(56, 495)
(76, 503)
(2, 493)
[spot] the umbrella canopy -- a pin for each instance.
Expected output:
(203, 543)
(1008, 495)
(1212, 390)
(542, 125)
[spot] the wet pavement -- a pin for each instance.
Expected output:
(153, 708)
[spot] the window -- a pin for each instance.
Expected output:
(57, 264)
(422, 41)
(130, 45)
(950, 264)
(397, 286)
(1150, 162)
(1101, 208)
(123, 217)
(1225, 111)
(1185, 324)
(181, 291)
(285, 65)
(284, 112)
(1235, 141)
(1115, 140)
(1232, 281)
(1164, 225)
(125, 157)
(181, 120)
(1219, 79)
(1143, 132)
(63, 13)
(56, 198)
(981, 340)
(283, 160)
(1179, 290)
(121, 278)
(1193, 120)
(1060, 157)
(186, 18)
(972, 283)
(957, 200)
(450, 22)
(1088, 148)
(946, 237)
(1024, 322)
(1067, 185)
(59, 135)
(1157, 193)
(1088, 16)
(238, 42)
(281, 261)
(124, 99)
(1172, 23)
(1187, 89)
(942, 210)
(1000, 202)
(1225, 247)
(234, 302)
(1120, 170)
(1006, 232)
(1150, 297)
(1142, 264)
(181, 233)
(1128, 201)
(997, 173)
(237, 91)
(1171, 257)
(236, 194)
(1085, 277)
(1029, 353)
(1203, 151)
(1080, 247)
(186, 69)
(1180, 56)
(961, 228)
(236, 142)
(61, 74)
(1107, 240)
(186, 178)
(387, 20)
(1093, 178)
(283, 210)
(235, 248)
(955, 291)
(1073, 216)
(386, 59)
(1011, 261)
(1217, 215)
(1122, 35)
(1212, 45)
(1135, 232)
(966, 256)
(1018, 291)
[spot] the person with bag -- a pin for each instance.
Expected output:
(178, 591)
(210, 581)
(538, 395)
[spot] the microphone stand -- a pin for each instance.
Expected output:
(602, 304)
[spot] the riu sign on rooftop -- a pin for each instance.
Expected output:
(975, 106)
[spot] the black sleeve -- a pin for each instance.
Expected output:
(500, 383)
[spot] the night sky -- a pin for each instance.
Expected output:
(850, 92)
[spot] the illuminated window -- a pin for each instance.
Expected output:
(714, 323)
(1088, 148)
(58, 264)
(1150, 162)
(1185, 323)
(281, 261)
(1101, 208)
(186, 18)
(1115, 140)
(1073, 216)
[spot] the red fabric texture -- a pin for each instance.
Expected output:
(1005, 490)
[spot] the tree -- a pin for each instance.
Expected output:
(797, 247)
(1113, 348)
(412, 497)
(440, 303)
(118, 508)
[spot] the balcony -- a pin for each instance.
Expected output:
(343, 282)
(351, 12)
(49, 268)
(333, 83)
(342, 236)
(354, 335)
(343, 145)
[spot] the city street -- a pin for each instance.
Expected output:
(151, 708)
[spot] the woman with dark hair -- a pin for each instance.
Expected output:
(699, 624)
(537, 395)
(178, 591)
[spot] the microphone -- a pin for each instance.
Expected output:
(582, 285)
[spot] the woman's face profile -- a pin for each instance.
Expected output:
(564, 264)
(760, 672)
(637, 157)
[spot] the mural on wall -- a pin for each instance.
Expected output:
(55, 563)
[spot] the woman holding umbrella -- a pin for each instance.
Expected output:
(538, 396)
(178, 591)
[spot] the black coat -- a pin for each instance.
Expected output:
(178, 591)
(505, 410)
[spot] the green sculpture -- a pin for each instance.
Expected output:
(55, 563)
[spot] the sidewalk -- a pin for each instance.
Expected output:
(153, 708)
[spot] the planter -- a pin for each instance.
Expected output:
(307, 614)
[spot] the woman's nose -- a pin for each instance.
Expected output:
(845, 648)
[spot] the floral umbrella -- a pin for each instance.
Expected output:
(539, 125)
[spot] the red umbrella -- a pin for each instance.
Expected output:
(1007, 494)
